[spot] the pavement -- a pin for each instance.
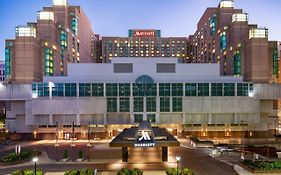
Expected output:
(114, 173)
(105, 158)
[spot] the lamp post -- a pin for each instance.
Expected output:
(89, 141)
(178, 161)
(243, 139)
(73, 144)
(35, 159)
(57, 142)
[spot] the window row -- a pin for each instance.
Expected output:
(150, 104)
(140, 90)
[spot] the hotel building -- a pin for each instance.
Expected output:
(144, 43)
(61, 35)
(224, 36)
(232, 97)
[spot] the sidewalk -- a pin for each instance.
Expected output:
(114, 173)
(241, 171)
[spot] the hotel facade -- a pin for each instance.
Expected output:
(215, 83)
(168, 94)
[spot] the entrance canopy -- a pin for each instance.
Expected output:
(144, 136)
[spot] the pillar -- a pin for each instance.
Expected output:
(125, 155)
(164, 154)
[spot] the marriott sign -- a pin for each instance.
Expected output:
(144, 33)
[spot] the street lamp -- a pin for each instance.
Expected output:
(89, 140)
(178, 161)
(35, 160)
(57, 141)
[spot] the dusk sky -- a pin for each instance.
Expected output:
(115, 17)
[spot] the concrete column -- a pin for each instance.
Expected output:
(51, 119)
(131, 110)
(125, 154)
(118, 104)
(144, 109)
(77, 119)
(164, 154)
(171, 103)
(157, 109)
(210, 118)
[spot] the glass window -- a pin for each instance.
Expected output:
(242, 89)
(70, 90)
(216, 89)
(151, 118)
(84, 89)
(111, 104)
(164, 104)
(177, 104)
(34, 88)
(203, 89)
(138, 118)
(177, 89)
(97, 90)
(43, 90)
(57, 90)
(151, 104)
(124, 90)
(144, 89)
(164, 89)
(138, 104)
(190, 89)
(229, 89)
(237, 63)
(124, 105)
(111, 90)
(223, 41)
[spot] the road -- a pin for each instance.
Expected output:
(106, 158)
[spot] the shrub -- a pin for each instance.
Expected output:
(27, 172)
(171, 171)
(261, 165)
(80, 154)
(12, 157)
(65, 154)
(126, 171)
(138, 171)
(186, 171)
(87, 172)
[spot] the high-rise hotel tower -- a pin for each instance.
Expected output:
(61, 35)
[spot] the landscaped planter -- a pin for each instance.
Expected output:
(262, 167)
(12, 158)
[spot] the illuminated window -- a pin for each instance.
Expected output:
(226, 4)
(240, 17)
(275, 61)
(223, 41)
(258, 33)
(8, 60)
(26, 31)
(59, 2)
(48, 62)
(45, 15)
(237, 63)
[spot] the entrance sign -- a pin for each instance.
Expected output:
(145, 136)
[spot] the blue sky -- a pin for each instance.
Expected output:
(115, 17)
